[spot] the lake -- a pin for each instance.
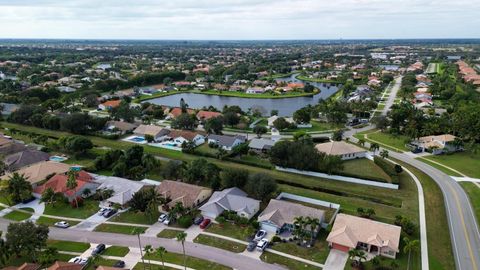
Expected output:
(285, 106)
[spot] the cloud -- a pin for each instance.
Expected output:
(239, 19)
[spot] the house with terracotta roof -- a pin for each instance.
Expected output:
(59, 185)
(377, 238)
(279, 216)
(187, 194)
(110, 104)
(437, 144)
(24, 266)
(202, 116)
(176, 112)
(65, 266)
(40, 171)
(345, 150)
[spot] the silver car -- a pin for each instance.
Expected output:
(62, 224)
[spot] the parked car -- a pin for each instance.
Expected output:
(99, 249)
(166, 221)
(262, 244)
(259, 235)
(251, 246)
(109, 213)
(416, 150)
(102, 211)
(78, 260)
(31, 199)
(198, 220)
(119, 264)
(205, 223)
(162, 218)
(62, 224)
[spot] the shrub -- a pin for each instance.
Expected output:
(185, 221)
(276, 239)
(389, 168)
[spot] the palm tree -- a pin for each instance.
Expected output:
(384, 154)
(357, 256)
(138, 231)
(374, 147)
(299, 223)
(148, 249)
(48, 196)
(410, 246)
(361, 142)
(181, 236)
(72, 185)
(314, 223)
(19, 188)
(160, 251)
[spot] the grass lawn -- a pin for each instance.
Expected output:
(134, 217)
(318, 253)
(5, 197)
(401, 260)
(101, 261)
(68, 246)
(441, 168)
(438, 237)
(140, 266)
(192, 262)
(316, 127)
(365, 168)
(396, 142)
(219, 243)
(206, 149)
(464, 162)
(168, 233)
(232, 230)
(19, 216)
(122, 229)
(272, 258)
(17, 261)
(256, 159)
(51, 221)
(116, 251)
(473, 193)
(62, 209)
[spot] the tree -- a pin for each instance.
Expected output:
(409, 247)
(181, 236)
(301, 135)
(337, 135)
(4, 251)
(381, 122)
(374, 147)
(152, 211)
(26, 238)
(302, 115)
(149, 138)
(261, 186)
(72, 184)
(231, 118)
(331, 163)
(161, 251)
(19, 188)
(150, 163)
(125, 112)
(137, 231)
(48, 256)
(148, 249)
(361, 142)
(358, 257)
(384, 153)
(77, 145)
(184, 121)
(314, 223)
(234, 178)
(260, 130)
(214, 125)
(299, 223)
(281, 123)
(273, 112)
(173, 170)
(48, 196)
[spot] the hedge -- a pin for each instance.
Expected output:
(388, 168)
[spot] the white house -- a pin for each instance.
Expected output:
(226, 142)
(345, 150)
(437, 144)
(181, 136)
(231, 199)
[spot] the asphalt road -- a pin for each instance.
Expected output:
(234, 260)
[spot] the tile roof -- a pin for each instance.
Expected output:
(205, 115)
(338, 148)
(283, 212)
(25, 158)
(180, 192)
(225, 140)
(112, 103)
(39, 171)
(59, 183)
(233, 199)
(65, 266)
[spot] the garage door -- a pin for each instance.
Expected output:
(340, 247)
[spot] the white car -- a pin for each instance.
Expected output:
(260, 234)
(62, 224)
(78, 260)
(162, 218)
(101, 211)
(262, 244)
(166, 221)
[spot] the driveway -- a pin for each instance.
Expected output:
(37, 206)
(336, 260)
(90, 223)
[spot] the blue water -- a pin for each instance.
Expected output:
(57, 158)
(137, 139)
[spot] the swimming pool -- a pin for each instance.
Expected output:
(137, 139)
(57, 158)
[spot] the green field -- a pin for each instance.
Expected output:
(464, 162)
(116, 251)
(122, 229)
(62, 209)
(365, 168)
(272, 258)
(19, 215)
(168, 233)
(473, 193)
(219, 243)
(231, 230)
(318, 253)
(192, 262)
(134, 217)
(441, 168)
(68, 246)
(51, 221)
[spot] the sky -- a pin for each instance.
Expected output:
(239, 19)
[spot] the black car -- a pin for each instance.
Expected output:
(119, 264)
(109, 213)
(28, 200)
(99, 249)
(416, 150)
(198, 220)
(251, 246)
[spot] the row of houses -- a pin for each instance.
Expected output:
(468, 73)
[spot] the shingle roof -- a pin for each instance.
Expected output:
(282, 212)
(150, 130)
(124, 126)
(225, 140)
(180, 192)
(338, 148)
(231, 199)
(261, 143)
(25, 158)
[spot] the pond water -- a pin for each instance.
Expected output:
(285, 106)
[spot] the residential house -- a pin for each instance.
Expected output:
(110, 104)
(65, 266)
(279, 216)
(203, 116)
(255, 90)
(437, 144)
(272, 119)
(9, 146)
(231, 199)
(187, 194)
(157, 132)
(24, 266)
(377, 238)
(8, 108)
(345, 150)
(123, 189)
(40, 171)
(24, 158)
(363, 92)
(176, 112)
(225, 141)
(261, 145)
(120, 127)
(181, 136)
(59, 185)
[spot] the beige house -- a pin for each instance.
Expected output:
(437, 144)
(189, 195)
(38, 172)
(156, 131)
(345, 150)
(351, 232)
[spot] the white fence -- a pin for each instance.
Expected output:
(340, 178)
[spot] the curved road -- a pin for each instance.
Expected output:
(234, 260)
(463, 226)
